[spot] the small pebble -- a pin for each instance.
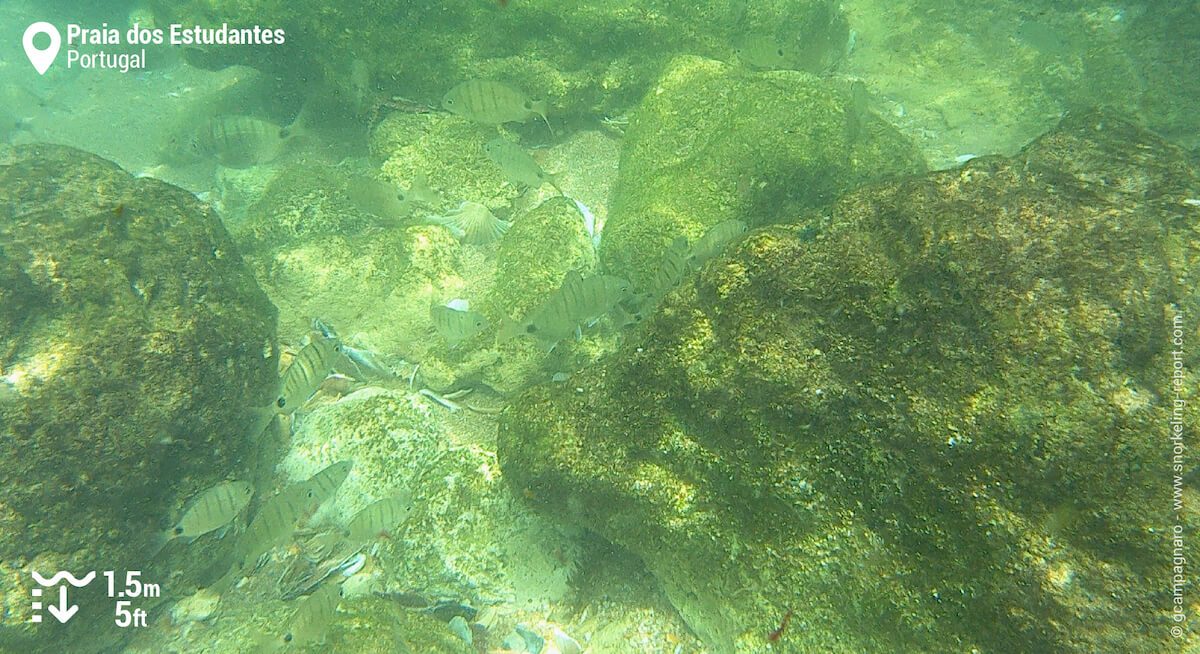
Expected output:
(195, 608)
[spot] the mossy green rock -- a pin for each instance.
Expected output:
(713, 142)
(939, 425)
(134, 341)
(318, 255)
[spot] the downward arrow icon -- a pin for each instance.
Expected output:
(61, 612)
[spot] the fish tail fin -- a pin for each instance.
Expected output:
(260, 421)
(160, 541)
(552, 179)
(300, 125)
(539, 108)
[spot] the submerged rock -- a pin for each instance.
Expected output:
(134, 339)
(714, 142)
(938, 425)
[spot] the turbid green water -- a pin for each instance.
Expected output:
(622, 326)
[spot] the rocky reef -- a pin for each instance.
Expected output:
(939, 423)
(134, 342)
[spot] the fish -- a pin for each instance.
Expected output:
(238, 141)
(364, 365)
(588, 298)
(578, 300)
(276, 519)
(775, 634)
(473, 224)
(377, 197)
(715, 240)
(671, 268)
(209, 511)
(379, 518)
(533, 642)
(765, 52)
(309, 623)
(446, 610)
(456, 325)
(419, 191)
(274, 523)
(329, 479)
(303, 377)
(492, 103)
(516, 164)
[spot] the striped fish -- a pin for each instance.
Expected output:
(210, 510)
(329, 479)
(671, 268)
(588, 298)
(312, 365)
(379, 518)
(577, 301)
(492, 103)
(238, 141)
(516, 164)
(311, 620)
(276, 519)
(715, 240)
(274, 523)
(456, 325)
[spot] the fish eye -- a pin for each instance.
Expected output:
(531, 329)
(281, 402)
(287, 638)
(779, 52)
(178, 531)
(528, 104)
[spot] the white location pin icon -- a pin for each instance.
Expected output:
(41, 59)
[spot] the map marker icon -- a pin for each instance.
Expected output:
(41, 59)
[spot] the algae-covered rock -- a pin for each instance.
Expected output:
(134, 341)
(447, 152)
(319, 255)
(712, 142)
(929, 428)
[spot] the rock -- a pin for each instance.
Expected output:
(929, 426)
(372, 278)
(197, 607)
(712, 142)
(135, 342)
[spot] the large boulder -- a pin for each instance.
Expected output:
(939, 424)
(713, 142)
(134, 343)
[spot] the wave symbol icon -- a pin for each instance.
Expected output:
(63, 574)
